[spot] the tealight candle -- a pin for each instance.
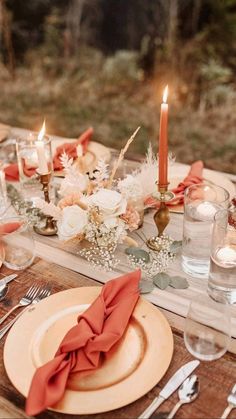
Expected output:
(42, 160)
(206, 211)
(226, 255)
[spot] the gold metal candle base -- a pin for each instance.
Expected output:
(162, 216)
(50, 228)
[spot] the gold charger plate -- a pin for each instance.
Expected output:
(136, 365)
(178, 172)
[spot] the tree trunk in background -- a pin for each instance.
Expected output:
(6, 37)
(173, 26)
(195, 16)
(73, 26)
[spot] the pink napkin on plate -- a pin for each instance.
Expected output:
(193, 178)
(97, 330)
(12, 172)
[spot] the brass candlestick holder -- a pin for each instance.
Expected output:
(50, 228)
(162, 216)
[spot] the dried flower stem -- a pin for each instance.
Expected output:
(121, 157)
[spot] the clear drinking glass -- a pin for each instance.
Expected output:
(201, 202)
(27, 158)
(207, 328)
(16, 243)
(222, 276)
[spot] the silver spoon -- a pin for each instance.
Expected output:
(187, 393)
(4, 285)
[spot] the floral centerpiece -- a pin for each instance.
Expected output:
(96, 208)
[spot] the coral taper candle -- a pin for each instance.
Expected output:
(163, 141)
(42, 160)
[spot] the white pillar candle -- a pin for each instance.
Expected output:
(79, 150)
(42, 160)
(3, 184)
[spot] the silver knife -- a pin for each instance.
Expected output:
(174, 382)
(7, 279)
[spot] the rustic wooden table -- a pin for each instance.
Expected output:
(216, 378)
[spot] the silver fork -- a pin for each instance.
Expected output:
(42, 293)
(24, 301)
(231, 403)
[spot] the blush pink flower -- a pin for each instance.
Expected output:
(131, 217)
(69, 200)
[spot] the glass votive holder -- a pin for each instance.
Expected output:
(201, 202)
(17, 248)
(222, 276)
(28, 164)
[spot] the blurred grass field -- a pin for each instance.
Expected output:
(112, 95)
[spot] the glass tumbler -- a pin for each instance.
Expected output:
(27, 158)
(207, 328)
(201, 202)
(222, 276)
(16, 243)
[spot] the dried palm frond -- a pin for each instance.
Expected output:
(121, 157)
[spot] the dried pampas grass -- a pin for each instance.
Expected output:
(146, 175)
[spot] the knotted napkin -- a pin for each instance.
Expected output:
(194, 177)
(97, 330)
(12, 171)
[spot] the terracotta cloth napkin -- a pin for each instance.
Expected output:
(9, 227)
(12, 172)
(98, 329)
(193, 178)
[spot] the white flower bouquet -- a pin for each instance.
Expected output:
(93, 208)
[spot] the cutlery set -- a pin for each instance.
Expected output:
(188, 392)
(32, 296)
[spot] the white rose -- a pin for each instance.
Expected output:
(110, 203)
(72, 223)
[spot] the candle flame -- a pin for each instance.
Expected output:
(42, 132)
(165, 94)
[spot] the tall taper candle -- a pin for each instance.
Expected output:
(163, 142)
(42, 160)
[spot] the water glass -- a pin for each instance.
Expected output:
(207, 328)
(201, 202)
(222, 276)
(16, 243)
(27, 158)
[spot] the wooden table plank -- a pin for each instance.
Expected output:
(216, 378)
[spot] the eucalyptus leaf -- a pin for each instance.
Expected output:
(138, 253)
(145, 287)
(175, 246)
(162, 280)
(179, 282)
